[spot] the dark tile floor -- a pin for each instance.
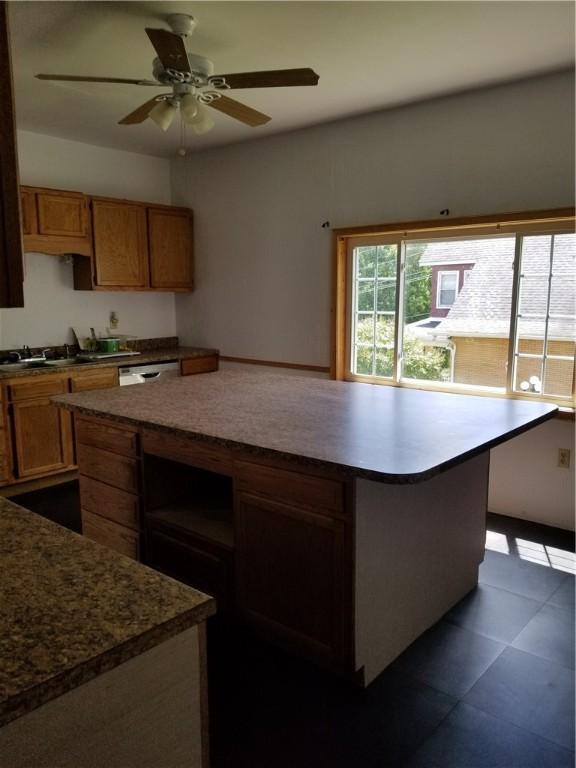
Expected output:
(490, 686)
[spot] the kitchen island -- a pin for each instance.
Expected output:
(338, 519)
(102, 660)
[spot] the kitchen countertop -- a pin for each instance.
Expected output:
(145, 358)
(388, 434)
(71, 609)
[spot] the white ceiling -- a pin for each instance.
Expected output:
(369, 55)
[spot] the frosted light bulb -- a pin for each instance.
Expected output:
(163, 114)
(202, 123)
(188, 107)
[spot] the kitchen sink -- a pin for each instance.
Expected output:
(35, 364)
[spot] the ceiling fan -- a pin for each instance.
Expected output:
(193, 82)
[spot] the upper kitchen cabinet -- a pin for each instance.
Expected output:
(55, 222)
(137, 247)
(120, 244)
(11, 272)
(171, 248)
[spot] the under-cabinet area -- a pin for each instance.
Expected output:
(188, 525)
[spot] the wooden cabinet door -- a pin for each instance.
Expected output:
(42, 436)
(170, 235)
(120, 244)
(62, 214)
(292, 575)
(11, 270)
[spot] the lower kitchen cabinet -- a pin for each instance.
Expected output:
(292, 574)
(36, 437)
(42, 437)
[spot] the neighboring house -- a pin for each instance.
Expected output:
(475, 306)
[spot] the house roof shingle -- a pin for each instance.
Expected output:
(483, 305)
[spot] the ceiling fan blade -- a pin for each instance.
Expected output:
(270, 79)
(81, 79)
(239, 111)
(169, 48)
(140, 114)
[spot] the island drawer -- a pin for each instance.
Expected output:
(186, 451)
(110, 468)
(307, 491)
(110, 534)
(103, 435)
(112, 503)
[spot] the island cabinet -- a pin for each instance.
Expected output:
(294, 558)
(273, 545)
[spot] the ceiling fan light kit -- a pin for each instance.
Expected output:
(163, 114)
(194, 83)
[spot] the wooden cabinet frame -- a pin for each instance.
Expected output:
(11, 266)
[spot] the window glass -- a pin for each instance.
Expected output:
(546, 316)
(374, 309)
(467, 342)
(459, 299)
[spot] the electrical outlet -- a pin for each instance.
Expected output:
(564, 458)
(114, 320)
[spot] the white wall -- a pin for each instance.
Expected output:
(526, 481)
(51, 306)
(263, 262)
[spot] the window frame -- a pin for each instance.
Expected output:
(440, 274)
(556, 221)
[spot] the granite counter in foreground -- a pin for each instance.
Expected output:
(71, 610)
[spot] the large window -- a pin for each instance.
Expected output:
(487, 308)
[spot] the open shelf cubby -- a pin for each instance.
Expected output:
(189, 501)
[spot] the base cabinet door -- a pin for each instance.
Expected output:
(293, 574)
(42, 437)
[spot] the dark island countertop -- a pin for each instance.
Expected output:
(388, 434)
(162, 354)
(71, 609)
